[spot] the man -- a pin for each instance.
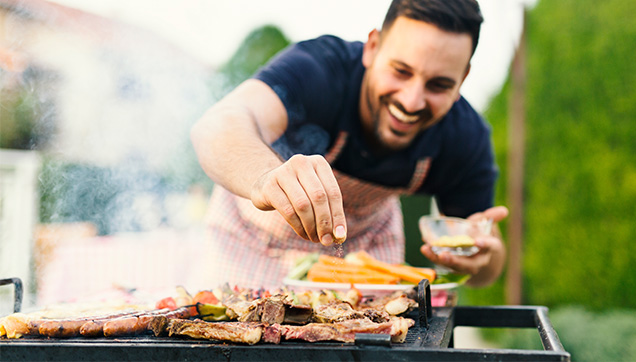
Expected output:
(319, 144)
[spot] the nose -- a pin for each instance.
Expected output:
(412, 96)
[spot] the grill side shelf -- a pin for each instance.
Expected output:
(17, 292)
(515, 317)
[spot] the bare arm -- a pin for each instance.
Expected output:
(232, 143)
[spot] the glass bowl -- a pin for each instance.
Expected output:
(452, 234)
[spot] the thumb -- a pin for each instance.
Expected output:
(496, 213)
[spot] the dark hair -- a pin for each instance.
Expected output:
(457, 16)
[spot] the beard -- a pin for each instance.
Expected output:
(377, 139)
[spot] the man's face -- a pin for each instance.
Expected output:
(413, 75)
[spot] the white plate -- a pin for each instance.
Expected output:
(375, 288)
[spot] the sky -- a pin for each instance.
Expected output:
(212, 31)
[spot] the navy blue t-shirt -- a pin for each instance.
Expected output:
(319, 83)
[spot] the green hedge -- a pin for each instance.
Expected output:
(586, 335)
(580, 182)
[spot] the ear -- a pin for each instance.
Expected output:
(463, 79)
(371, 48)
(466, 74)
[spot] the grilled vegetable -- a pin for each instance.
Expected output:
(183, 297)
(168, 302)
(212, 312)
(205, 297)
(404, 272)
(302, 266)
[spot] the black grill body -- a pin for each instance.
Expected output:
(431, 338)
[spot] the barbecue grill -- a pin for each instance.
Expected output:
(431, 338)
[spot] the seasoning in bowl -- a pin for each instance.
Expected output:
(452, 234)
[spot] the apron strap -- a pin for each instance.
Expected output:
(337, 147)
(421, 171)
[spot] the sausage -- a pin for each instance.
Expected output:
(95, 327)
(61, 328)
(67, 328)
(122, 326)
(34, 326)
(139, 323)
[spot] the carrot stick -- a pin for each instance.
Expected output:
(349, 279)
(350, 268)
(428, 273)
(332, 260)
(352, 271)
(394, 269)
(317, 275)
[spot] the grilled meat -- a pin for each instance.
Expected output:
(395, 304)
(322, 316)
(335, 312)
(270, 310)
(254, 332)
(273, 310)
(241, 332)
(15, 325)
(241, 309)
(139, 324)
(345, 331)
(72, 327)
(297, 314)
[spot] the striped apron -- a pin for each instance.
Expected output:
(253, 248)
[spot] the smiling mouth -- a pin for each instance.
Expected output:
(401, 116)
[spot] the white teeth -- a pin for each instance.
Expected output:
(395, 112)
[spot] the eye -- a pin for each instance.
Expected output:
(402, 72)
(439, 86)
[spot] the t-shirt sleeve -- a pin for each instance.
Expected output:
(474, 190)
(471, 171)
(307, 77)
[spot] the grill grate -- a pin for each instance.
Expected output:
(431, 338)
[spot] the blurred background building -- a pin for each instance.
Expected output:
(96, 115)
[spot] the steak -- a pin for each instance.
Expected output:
(241, 332)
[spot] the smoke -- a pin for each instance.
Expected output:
(108, 107)
(123, 105)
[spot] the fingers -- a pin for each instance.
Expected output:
(308, 199)
(464, 264)
(484, 243)
(460, 264)
(270, 196)
(496, 213)
(305, 192)
(338, 224)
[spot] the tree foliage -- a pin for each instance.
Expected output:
(27, 112)
(259, 46)
(580, 175)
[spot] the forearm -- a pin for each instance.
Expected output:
(232, 144)
(231, 149)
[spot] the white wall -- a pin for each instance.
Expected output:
(18, 215)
